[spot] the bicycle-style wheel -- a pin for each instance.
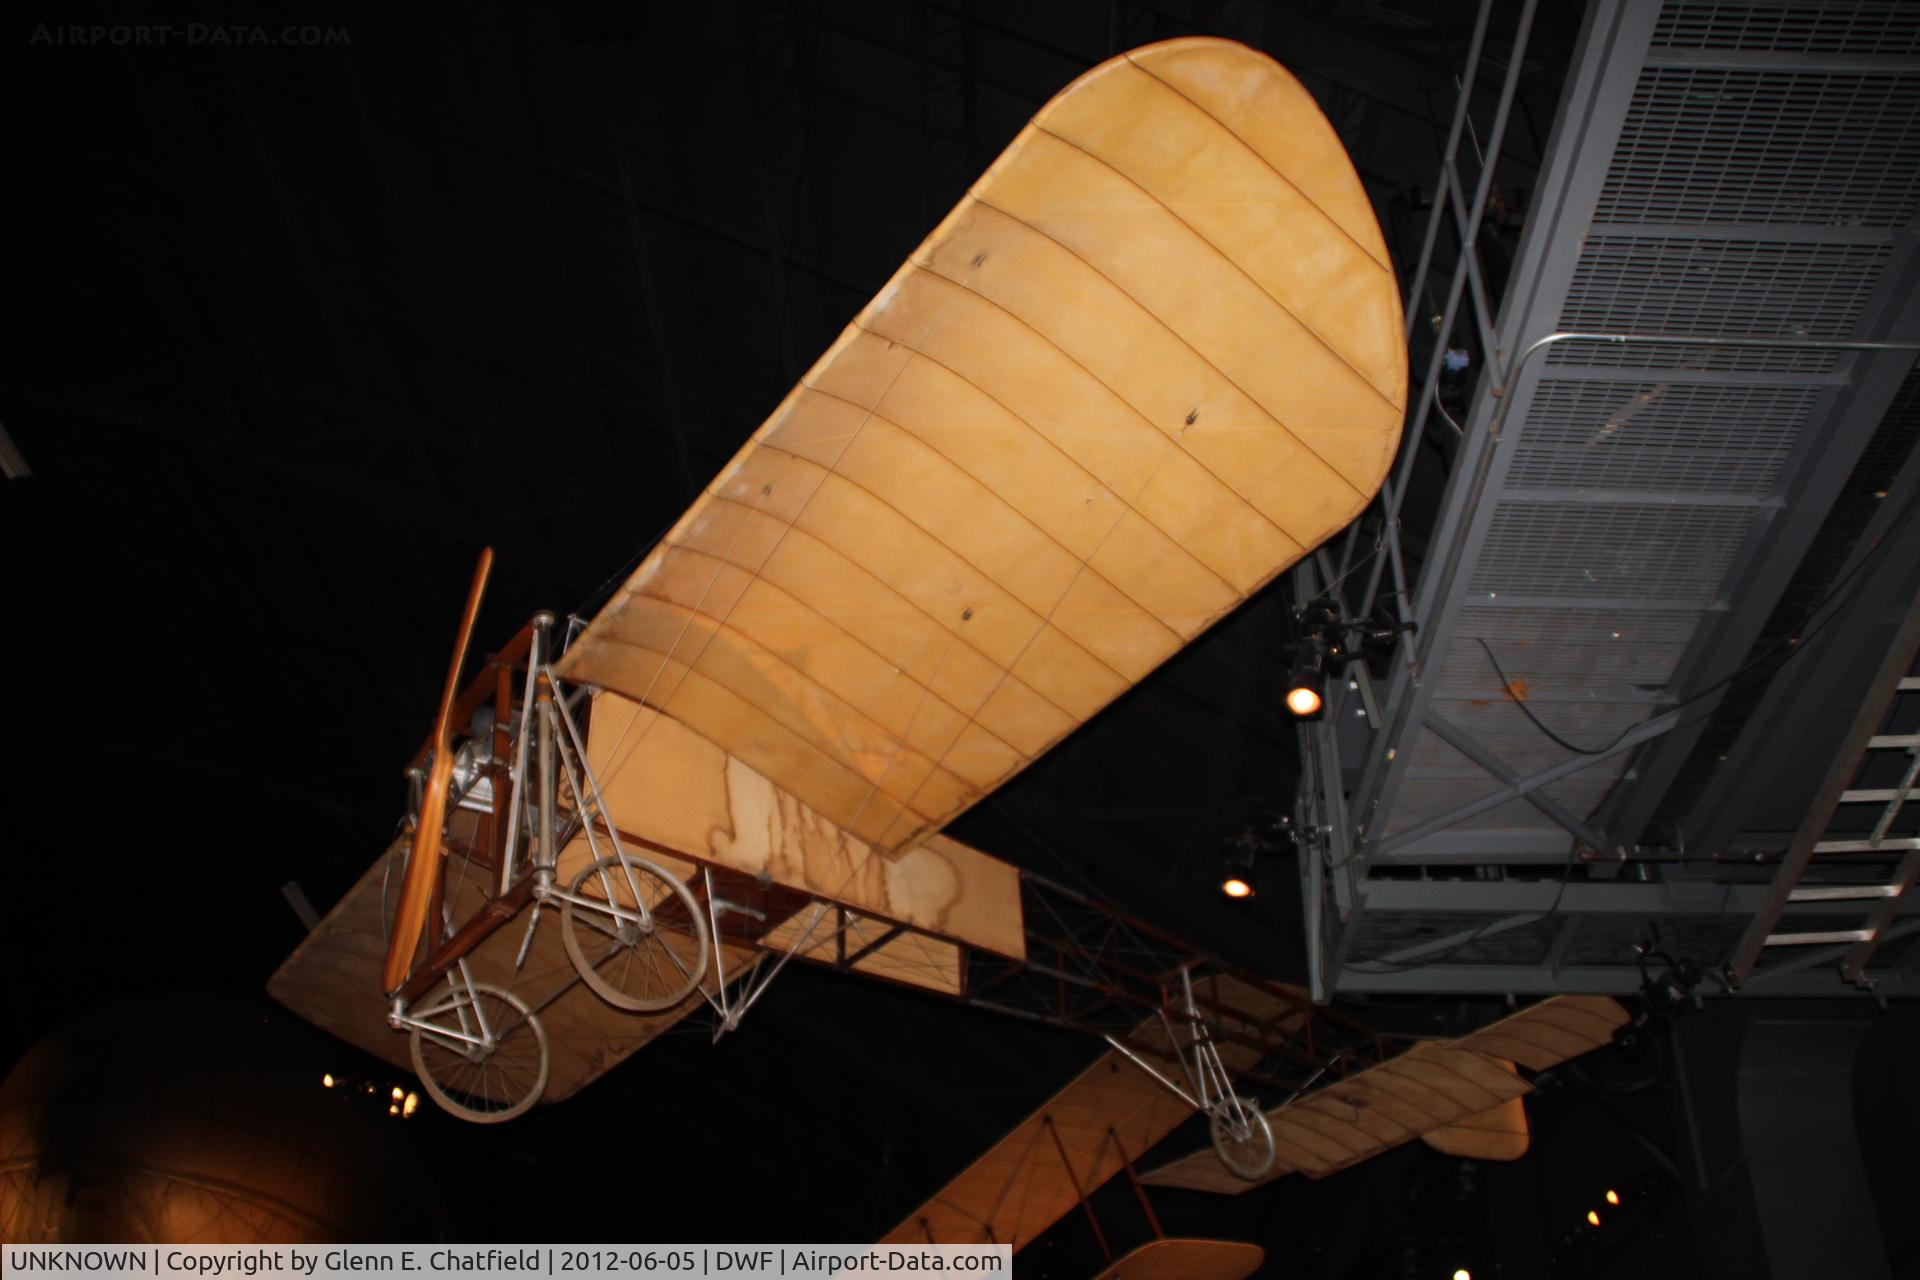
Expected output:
(635, 933)
(1242, 1137)
(392, 872)
(491, 1081)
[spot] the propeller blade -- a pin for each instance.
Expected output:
(416, 893)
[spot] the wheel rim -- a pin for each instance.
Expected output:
(643, 964)
(1243, 1138)
(485, 1084)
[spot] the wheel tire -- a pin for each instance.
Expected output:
(1243, 1138)
(393, 874)
(503, 1084)
(634, 970)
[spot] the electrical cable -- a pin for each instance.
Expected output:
(1793, 644)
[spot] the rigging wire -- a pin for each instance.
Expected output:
(600, 593)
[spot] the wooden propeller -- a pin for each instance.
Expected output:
(416, 893)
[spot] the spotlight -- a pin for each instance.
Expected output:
(1306, 683)
(398, 1093)
(1613, 1197)
(1593, 1217)
(408, 1107)
(1329, 642)
(326, 1081)
(1463, 1274)
(1240, 855)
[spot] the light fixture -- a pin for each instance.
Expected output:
(326, 1081)
(1329, 643)
(398, 1093)
(1240, 856)
(1306, 683)
(408, 1107)
(1265, 836)
(1593, 1217)
(1462, 1274)
(1613, 1197)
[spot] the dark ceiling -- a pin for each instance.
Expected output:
(298, 326)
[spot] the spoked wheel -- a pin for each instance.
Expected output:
(487, 1082)
(392, 875)
(635, 933)
(1242, 1137)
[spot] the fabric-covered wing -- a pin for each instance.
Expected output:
(1431, 1087)
(1147, 363)
(1179, 1259)
(1106, 1117)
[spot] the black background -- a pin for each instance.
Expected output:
(294, 331)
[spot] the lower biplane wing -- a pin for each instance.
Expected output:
(1500, 1133)
(1148, 362)
(1078, 1139)
(1103, 1120)
(1463, 1096)
(1455, 1089)
(1177, 1259)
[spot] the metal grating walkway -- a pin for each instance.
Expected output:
(1715, 299)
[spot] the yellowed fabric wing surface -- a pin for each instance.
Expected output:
(1021, 1185)
(1110, 1114)
(1548, 1033)
(1465, 1090)
(1148, 362)
(1499, 1134)
(1178, 1259)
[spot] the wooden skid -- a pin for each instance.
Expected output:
(1466, 1089)
(1112, 1112)
(1188, 1260)
(1150, 360)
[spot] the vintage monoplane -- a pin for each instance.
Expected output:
(1153, 358)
